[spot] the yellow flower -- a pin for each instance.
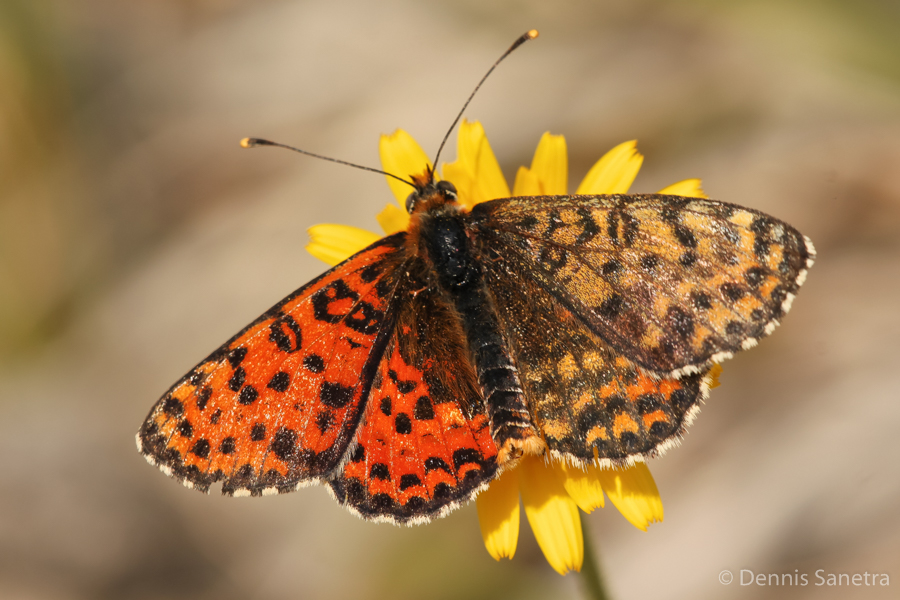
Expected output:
(552, 492)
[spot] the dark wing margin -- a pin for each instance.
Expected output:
(672, 283)
(425, 445)
(278, 405)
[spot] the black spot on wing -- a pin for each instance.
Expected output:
(236, 357)
(201, 448)
(685, 236)
(755, 276)
(203, 397)
(173, 407)
(403, 424)
(688, 259)
(612, 306)
(284, 443)
(365, 318)
(248, 395)
(314, 363)
(258, 432)
(325, 420)
(435, 462)
(380, 471)
(409, 480)
(286, 334)
(424, 410)
(370, 273)
(324, 300)
(237, 379)
(466, 455)
(611, 267)
(701, 301)
(681, 322)
(732, 291)
(185, 428)
(649, 262)
(335, 395)
(280, 382)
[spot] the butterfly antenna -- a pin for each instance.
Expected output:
(529, 35)
(253, 142)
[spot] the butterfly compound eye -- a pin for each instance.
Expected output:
(411, 201)
(447, 188)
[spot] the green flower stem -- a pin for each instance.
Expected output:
(590, 570)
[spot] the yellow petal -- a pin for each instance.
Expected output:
(551, 164)
(690, 188)
(714, 376)
(334, 243)
(498, 515)
(583, 485)
(615, 172)
(392, 219)
(476, 172)
(527, 183)
(402, 156)
(552, 514)
(633, 491)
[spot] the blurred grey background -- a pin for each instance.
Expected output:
(136, 236)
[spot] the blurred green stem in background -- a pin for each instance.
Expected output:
(591, 577)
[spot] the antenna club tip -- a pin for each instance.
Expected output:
(247, 143)
(531, 34)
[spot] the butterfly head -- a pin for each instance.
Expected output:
(429, 193)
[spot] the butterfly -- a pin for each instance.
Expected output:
(410, 375)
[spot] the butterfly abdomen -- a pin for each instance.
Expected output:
(444, 245)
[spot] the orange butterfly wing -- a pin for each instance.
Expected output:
(278, 406)
(425, 445)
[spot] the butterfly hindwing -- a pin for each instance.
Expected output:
(671, 283)
(588, 402)
(425, 444)
(278, 405)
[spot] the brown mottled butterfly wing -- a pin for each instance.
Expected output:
(585, 398)
(617, 306)
(671, 283)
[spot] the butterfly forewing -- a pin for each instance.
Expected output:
(279, 404)
(670, 283)
(425, 443)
